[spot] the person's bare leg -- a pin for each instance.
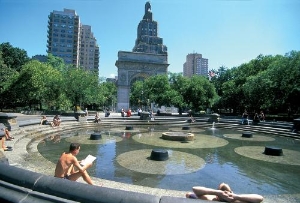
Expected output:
(86, 177)
(2, 143)
(4, 147)
(8, 135)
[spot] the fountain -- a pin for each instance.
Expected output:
(178, 136)
(273, 151)
(129, 128)
(247, 134)
(95, 136)
(129, 160)
(186, 128)
(159, 155)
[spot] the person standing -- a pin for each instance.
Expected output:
(245, 117)
(68, 167)
(262, 116)
(123, 113)
(97, 118)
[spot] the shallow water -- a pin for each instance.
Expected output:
(123, 156)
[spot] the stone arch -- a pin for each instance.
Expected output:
(138, 77)
(135, 66)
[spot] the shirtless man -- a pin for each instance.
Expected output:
(65, 167)
(223, 193)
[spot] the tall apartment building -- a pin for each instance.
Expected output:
(195, 65)
(89, 50)
(72, 41)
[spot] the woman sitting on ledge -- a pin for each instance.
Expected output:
(223, 194)
(56, 121)
(7, 135)
(44, 121)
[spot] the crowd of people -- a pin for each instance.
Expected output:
(55, 122)
(5, 134)
(256, 118)
(128, 113)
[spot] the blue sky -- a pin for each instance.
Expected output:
(226, 32)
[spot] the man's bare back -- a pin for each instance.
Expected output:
(64, 165)
(69, 167)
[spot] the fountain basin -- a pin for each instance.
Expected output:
(178, 136)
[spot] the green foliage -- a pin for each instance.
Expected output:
(196, 92)
(108, 94)
(56, 62)
(7, 75)
(79, 83)
(14, 58)
(265, 83)
(136, 94)
(37, 83)
(50, 84)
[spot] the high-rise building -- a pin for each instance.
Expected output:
(195, 65)
(89, 50)
(72, 41)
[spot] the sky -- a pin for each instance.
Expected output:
(226, 32)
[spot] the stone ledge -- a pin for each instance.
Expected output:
(21, 185)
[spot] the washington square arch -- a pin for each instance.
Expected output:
(149, 57)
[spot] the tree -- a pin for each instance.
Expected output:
(196, 92)
(200, 93)
(136, 94)
(180, 85)
(108, 94)
(37, 83)
(7, 75)
(81, 86)
(14, 58)
(158, 90)
(56, 62)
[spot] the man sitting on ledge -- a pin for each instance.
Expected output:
(65, 167)
(223, 194)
